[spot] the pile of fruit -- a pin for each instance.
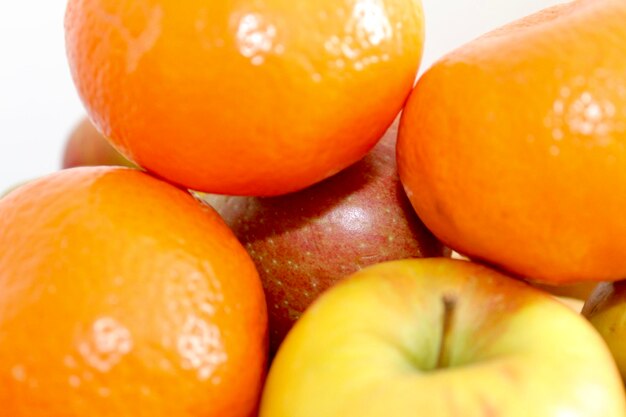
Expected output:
(281, 243)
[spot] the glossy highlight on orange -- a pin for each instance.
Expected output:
(120, 295)
(512, 148)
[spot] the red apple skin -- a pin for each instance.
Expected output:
(87, 147)
(303, 243)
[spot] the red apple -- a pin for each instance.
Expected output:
(303, 243)
(87, 147)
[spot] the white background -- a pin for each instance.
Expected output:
(39, 107)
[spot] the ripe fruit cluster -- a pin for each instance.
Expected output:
(272, 197)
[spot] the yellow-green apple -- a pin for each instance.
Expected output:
(86, 147)
(441, 338)
(303, 243)
(606, 310)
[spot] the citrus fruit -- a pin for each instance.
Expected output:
(244, 97)
(87, 147)
(121, 296)
(512, 147)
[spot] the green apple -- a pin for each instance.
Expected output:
(606, 310)
(439, 337)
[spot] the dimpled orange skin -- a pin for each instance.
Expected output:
(512, 148)
(244, 97)
(121, 296)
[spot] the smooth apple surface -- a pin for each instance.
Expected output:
(87, 147)
(303, 243)
(438, 337)
(606, 310)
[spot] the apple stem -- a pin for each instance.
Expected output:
(449, 306)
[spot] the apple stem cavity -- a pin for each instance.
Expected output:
(449, 308)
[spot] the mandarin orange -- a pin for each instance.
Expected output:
(512, 147)
(244, 97)
(120, 295)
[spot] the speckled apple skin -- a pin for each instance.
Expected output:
(303, 243)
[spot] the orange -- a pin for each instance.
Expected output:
(244, 97)
(121, 296)
(513, 147)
